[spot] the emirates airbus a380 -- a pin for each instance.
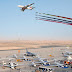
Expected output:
(26, 7)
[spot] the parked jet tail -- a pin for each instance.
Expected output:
(26, 50)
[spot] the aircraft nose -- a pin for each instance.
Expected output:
(13, 68)
(44, 63)
(35, 65)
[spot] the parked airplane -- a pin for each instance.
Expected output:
(43, 61)
(57, 64)
(26, 7)
(24, 58)
(65, 55)
(29, 53)
(14, 56)
(10, 65)
(20, 58)
(68, 53)
(34, 64)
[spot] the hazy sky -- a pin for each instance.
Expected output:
(15, 24)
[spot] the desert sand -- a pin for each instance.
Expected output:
(22, 44)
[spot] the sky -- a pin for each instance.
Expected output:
(15, 24)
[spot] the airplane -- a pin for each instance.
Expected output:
(34, 64)
(10, 65)
(20, 58)
(57, 64)
(43, 61)
(65, 55)
(24, 58)
(26, 7)
(68, 53)
(14, 56)
(29, 53)
(61, 65)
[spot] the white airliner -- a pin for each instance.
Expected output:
(10, 65)
(30, 7)
(57, 64)
(43, 61)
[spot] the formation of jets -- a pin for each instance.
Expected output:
(30, 7)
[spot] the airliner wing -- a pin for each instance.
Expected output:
(6, 65)
(38, 62)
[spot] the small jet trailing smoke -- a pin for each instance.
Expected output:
(53, 18)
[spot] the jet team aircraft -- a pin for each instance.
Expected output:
(26, 7)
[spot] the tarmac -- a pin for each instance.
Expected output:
(45, 52)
